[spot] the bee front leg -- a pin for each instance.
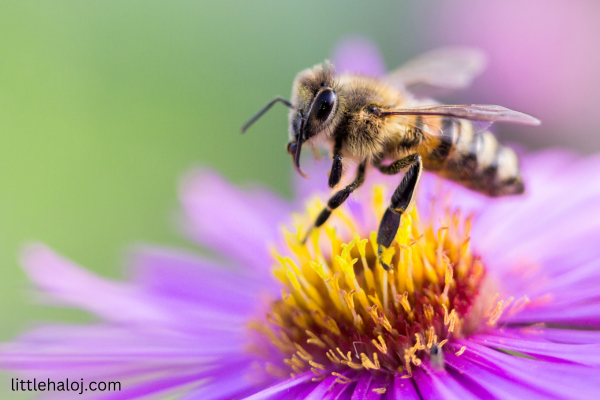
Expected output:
(336, 168)
(401, 199)
(339, 198)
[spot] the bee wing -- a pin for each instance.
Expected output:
(447, 68)
(473, 112)
(480, 116)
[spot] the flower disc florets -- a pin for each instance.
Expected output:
(341, 310)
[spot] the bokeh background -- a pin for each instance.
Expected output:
(104, 104)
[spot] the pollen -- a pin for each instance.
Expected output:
(340, 310)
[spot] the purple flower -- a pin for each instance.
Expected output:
(183, 324)
(488, 298)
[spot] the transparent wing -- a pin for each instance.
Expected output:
(448, 68)
(474, 112)
(433, 125)
(479, 116)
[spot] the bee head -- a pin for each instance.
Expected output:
(316, 103)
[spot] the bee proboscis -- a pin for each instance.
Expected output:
(378, 122)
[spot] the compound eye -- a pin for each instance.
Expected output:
(324, 104)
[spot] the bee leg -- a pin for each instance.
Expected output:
(396, 166)
(401, 200)
(339, 198)
(336, 168)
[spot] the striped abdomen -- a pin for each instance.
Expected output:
(475, 160)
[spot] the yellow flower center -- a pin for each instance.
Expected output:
(341, 310)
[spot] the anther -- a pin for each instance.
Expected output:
(461, 351)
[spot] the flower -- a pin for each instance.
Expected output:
(488, 298)
(184, 325)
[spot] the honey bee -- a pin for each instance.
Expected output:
(378, 122)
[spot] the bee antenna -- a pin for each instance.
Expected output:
(264, 110)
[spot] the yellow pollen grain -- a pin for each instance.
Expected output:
(332, 325)
(332, 357)
(316, 365)
(375, 300)
(403, 300)
(368, 274)
(381, 346)
(294, 361)
(366, 362)
(461, 351)
(318, 267)
(319, 376)
(381, 390)
(440, 249)
(418, 345)
(329, 301)
(303, 354)
(428, 311)
(491, 306)
(335, 242)
(300, 320)
(293, 279)
(498, 310)
(519, 305)
(314, 339)
(341, 379)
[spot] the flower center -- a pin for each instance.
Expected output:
(341, 310)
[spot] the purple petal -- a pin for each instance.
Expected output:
(72, 285)
(582, 354)
(323, 389)
(329, 389)
(580, 315)
(285, 388)
(225, 383)
(498, 386)
(441, 385)
(358, 55)
(189, 278)
(403, 389)
(155, 386)
(238, 224)
(570, 336)
(567, 381)
(378, 382)
(93, 350)
(362, 387)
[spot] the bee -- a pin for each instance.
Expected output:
(378, 122)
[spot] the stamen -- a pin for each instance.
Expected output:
(381, 346)
(314, 339)
(461, 351)
(498, 310)
(340, 310)
(366, 362)
(341, 378)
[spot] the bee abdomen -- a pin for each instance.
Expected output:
(479, 162)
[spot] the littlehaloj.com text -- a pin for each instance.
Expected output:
(75, 386)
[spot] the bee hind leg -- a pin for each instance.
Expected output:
(401, 200)
(339, 198)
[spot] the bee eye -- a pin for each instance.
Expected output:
(324, 104)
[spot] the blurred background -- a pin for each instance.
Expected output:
(104, 104)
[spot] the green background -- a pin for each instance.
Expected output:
(105, 104)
